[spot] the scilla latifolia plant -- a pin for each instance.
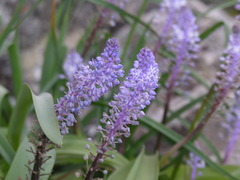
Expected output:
(136, 92)
(108, 113)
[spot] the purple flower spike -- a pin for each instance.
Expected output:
(229, 74)
(180, 36)
(180, 32)
(89, 84)
(135, 94)
(72, 64)
(233, 127)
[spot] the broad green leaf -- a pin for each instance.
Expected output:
(18, 167)
(6, 149)
(121, 173)
(73, 150)
(144, 167)
(136, 166)
(170, 134)
(45, 112)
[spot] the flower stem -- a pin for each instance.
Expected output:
(39, 158)
(93, 167)
(92, 35)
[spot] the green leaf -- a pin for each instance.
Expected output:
(136, 166)
(211, 29)
(6, 149)
(54, 55)
(45, 112)
(49, 67)
(144, 167)
(121, 173)
(47, 119)
(18, 167)
(19, 114)
(73, 151)
(15, 62)
(176, 138)
(3, 93)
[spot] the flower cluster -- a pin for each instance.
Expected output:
(72, 64)
(232, 125)
(89, 84)
(180, 32)
(135, 94)
(229, 73)
(195, 162)
(180, 36)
